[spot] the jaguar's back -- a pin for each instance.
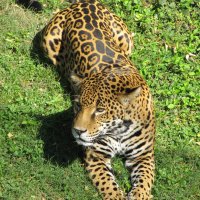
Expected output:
(86, 34)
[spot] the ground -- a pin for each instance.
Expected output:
(38, 157)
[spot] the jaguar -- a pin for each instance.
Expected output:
(113, 109)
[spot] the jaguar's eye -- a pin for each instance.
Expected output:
(100, 110)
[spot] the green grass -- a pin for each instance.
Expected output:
(38, 156)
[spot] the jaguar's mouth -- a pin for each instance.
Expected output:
(84, 143)
(84, 139)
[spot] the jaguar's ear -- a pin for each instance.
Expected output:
(129, 95)
(75, 79)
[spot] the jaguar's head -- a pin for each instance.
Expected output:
(101, 107)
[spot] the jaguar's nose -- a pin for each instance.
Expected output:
(79, 131)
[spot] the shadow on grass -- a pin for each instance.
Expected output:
(59, 144)
(30, 4)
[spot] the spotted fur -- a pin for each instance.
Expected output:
(113, 111)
